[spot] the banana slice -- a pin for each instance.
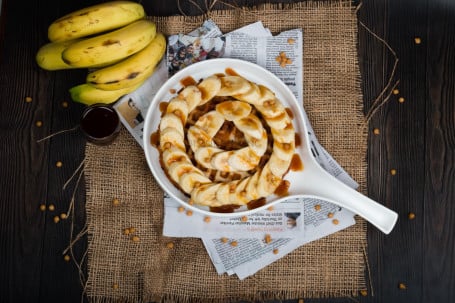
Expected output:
(243, 159)
(278, 166)
(171, 136)
(267, 182)
(259, 146)
(188, 181)
(174, 154)
(192, 95)
(221, 176)
(179, 108)
(233, 85)
(173, 121)
(204, 156)
(211, 122)
(285, 135)
(239, 196)
(250, 126)
(209, 88)
(233, 110)
(198, 138)
(265, 94)
(224, 192)
(220, 161)
(279, 122)
(284, 151)
(252, 96)
(251, 187)
(177, 169)
(206, 194)
(271, 108)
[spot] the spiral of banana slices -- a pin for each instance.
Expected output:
(243, 95)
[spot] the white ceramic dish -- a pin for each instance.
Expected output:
(312, 181)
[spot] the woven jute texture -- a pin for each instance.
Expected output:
(120, 269)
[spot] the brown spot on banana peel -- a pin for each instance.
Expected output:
(129, 77)
(133, 75)
(110, 42)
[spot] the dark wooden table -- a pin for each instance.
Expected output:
(416, 139)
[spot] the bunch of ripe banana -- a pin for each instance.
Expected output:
(113, 40)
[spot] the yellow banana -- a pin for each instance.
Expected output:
(111, 46)
(132, 70)
(95, 19)
(49, 56)
(87, 94)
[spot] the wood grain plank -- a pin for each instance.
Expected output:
(439, 243)
(22, 161)
(398, 146)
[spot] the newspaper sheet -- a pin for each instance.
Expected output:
(237, 246)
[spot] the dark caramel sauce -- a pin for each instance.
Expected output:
(187, 81)
(296, 163)
(290, 113)
(220, 75)
(224, 208)
(155, 139)
(283, 189)
(163, 106)
(230, 72)
(253, 204)
(298, 141)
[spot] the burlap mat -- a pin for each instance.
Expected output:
(120, 269)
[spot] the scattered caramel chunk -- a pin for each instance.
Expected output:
(317, 207)
(276, 251)
(59, 164)
(51, 207)
(395, 91)
(170, 245)
(417, 40)
(268, 238)
(270, 208)
(224, 240)
(116, 202)
(376, 131)
(126, 231)
(393, 172)
(207, 219)
(28, 99)
(39, 123)
(291, 41)
(66, 258)
(181, 209)
(135, 238)
(115, 286)
(335, 221)
(63, 216)
(330, 215)
(42, 207)
(411, 216)
(56, 219)
(234, 243)
(363, 292)
(244, 219)
(65, 104)
(189, 212)
(402, 286)
(283, 60)
(401, 99)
